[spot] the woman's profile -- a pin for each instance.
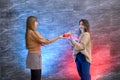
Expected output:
(34, 41)
(82, 50)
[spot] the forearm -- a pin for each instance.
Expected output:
(53, 40)
(76, 45)
(72, 40)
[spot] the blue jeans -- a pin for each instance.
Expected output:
(83, 67)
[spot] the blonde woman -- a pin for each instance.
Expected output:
(34, 41)
(82, 50)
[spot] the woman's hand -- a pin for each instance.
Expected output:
(67, 35)
(61, 36)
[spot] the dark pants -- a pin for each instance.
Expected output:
(36, 74)
(83, 67)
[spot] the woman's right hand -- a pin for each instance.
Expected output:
(61, 36)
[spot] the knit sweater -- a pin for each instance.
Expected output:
(83, 46)
(35, 40)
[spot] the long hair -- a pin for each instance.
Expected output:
(86, 26)
(30, 25)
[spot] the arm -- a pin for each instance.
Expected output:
(40, 39)
(83, 42)
(72, 40)
(53, 39)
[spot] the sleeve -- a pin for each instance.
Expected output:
(40, 39)
(83, 42)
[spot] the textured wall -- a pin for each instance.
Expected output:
(57, 17)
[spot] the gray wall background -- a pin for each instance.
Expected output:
(58, 17)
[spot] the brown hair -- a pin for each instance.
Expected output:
(86, 26)
(30, 25)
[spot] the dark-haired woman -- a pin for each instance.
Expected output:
(82, 50)
(34, 41)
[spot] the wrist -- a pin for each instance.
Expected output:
(58, 37)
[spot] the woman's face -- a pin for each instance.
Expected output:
(36, 24)
(81, 25)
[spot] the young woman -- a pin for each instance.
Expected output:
(82, 50)
(34, 41)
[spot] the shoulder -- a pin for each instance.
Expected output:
(33, 33)
(86, 33)
(30, 32)
(38, 33)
